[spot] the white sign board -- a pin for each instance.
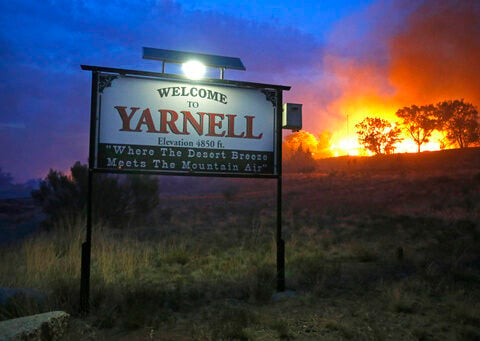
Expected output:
(153, 125)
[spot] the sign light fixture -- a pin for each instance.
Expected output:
(194, 69)
(181, 57)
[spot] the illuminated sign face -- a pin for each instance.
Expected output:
(153, 125)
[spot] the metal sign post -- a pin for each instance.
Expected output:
(279, 237)
(156, 123)
(87, 245)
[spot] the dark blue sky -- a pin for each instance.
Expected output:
(45, 97)
(311, 17)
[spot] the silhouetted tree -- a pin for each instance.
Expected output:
(58, 196)
(378, 135)
(420, 122)
(115, 202)
(459, 121)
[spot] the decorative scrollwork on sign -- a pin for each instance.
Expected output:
(271, 96)
(105, 81)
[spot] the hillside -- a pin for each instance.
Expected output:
(453, 160)
(379, 248)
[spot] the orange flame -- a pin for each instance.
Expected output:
(433, 57)
(345, 141)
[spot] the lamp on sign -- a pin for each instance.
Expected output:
(193, 64)
(193, 69)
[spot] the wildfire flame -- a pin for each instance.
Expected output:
(345, 141)
(431, 56)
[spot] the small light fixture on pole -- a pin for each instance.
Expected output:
(193, 64)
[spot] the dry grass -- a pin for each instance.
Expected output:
(206, 270)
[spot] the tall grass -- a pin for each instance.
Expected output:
(125, 270)
(56, 255)
(42, 258)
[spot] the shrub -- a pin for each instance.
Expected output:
(114, 201)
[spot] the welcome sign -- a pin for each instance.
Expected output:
(171, 126)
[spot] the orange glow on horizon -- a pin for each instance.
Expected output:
(344, 140)
(401, 69)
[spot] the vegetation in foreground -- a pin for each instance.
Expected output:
(371, 254)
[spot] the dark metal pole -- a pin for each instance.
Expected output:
(86, 253)
(280, 241)
(87, 245)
